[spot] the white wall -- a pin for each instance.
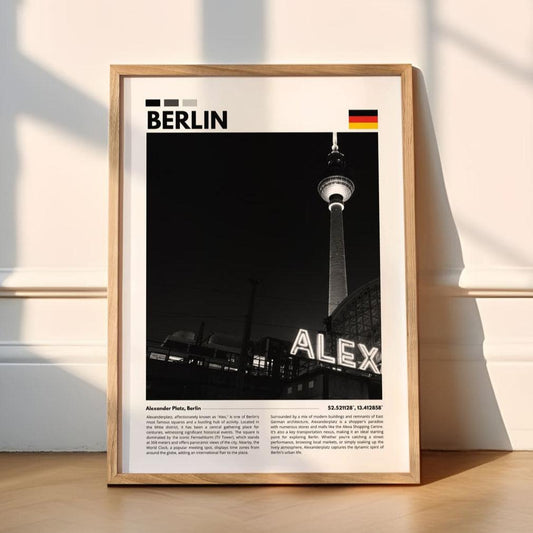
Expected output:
(474, 132)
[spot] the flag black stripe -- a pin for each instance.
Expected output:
(363, 112)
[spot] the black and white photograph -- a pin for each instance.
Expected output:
(263, 266)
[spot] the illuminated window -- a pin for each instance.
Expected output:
(259, 361)
(289, 390)
(312, 384)
(300, 386)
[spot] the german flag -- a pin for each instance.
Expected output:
(363, 119)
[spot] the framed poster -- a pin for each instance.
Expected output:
(262, 277)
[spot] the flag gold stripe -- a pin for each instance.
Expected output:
(363, 125)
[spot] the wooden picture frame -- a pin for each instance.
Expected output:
(169, 126)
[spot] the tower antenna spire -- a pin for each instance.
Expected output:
(334, 145)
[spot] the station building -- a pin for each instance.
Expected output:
(187, 367)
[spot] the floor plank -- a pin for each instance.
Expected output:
(460, 492)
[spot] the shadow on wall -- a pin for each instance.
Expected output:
(234, 34)
(457, 401)
(29, 89)
(61, 411)
(458, 405)
(57, 403)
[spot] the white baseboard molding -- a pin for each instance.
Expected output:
(89, 352)
(496, 282)
(53, 407)
(496, 351)
(53, 283)
(46, 353)
(508, 282)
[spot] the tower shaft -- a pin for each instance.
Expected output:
(338, 287)
(336, 189)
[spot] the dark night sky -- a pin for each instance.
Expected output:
(225, 207)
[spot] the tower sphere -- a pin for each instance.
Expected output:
(332, 186)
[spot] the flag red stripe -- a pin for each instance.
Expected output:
(363, 119)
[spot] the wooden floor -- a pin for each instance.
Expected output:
(460, 492)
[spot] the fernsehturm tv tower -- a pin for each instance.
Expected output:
(336, 189)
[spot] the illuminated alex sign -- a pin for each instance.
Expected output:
(345, 352)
